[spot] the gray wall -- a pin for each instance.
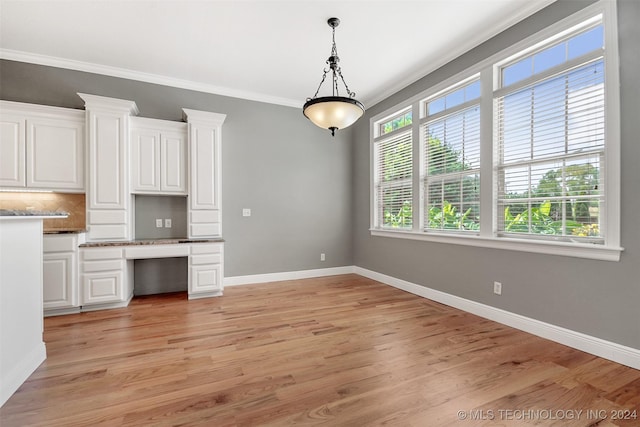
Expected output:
(158, 276)
(598, 298)
(295, 178)
(310, 194)
(149, 208)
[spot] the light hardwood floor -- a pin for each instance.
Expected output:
(335, 351)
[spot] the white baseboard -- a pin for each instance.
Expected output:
(606, 349)
(287, 275)
(19, 374)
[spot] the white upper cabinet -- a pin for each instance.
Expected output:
(205, 163)
(108, 167)
(173, 155)
(41, 147)
(12, 151)
(55, 153)
(158, 156)
(205, 168)
(145, 160)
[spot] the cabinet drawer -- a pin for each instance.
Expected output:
(108, 232)
(205, 230)
(205, 259)
(56, 243)
(152, 251)
(100, 254)
(108, 217)
(205, 217)
(106, 265)
(203, 248)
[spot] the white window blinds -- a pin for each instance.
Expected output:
(551, 147)
(451, 147)
(393, 181)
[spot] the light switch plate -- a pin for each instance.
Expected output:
(167, 223)
(158, 223)
(497, 288)
(246, 212)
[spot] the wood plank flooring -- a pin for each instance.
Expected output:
(335, 351)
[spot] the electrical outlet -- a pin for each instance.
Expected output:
(158, 223)
(322, 257)
(246, 212)
(167, 223)
(497, 288)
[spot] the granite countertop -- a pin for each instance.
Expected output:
(31, 212)
(150, 242)
(65, 231)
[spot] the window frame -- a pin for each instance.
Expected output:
(379, 185)
(490, 75)
(427, 119)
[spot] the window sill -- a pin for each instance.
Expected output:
(577, 250)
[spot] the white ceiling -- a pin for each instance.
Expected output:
(272, 51)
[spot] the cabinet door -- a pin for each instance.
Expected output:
(173, 176)
(58, 281)
(12, 151)
(102, 287)
(55, 154)
(205, 279)
(145, 160)
(205, 164)
(108, 176)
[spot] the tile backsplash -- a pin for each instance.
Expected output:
(73, 203)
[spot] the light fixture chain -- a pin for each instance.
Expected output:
(324, 76)
(338, 70)
(351, 94)
(334, 49)
(335, 58)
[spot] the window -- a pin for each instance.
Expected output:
(394, 181)
(551, 141)
(451, 147)
(399, 121)
(519, 152)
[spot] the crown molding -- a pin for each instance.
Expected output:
(214, 119)
(113, 104)
(87, 67)
(457, 51)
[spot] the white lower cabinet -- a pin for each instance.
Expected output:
(60, 274)
(205, 270)
(103, 287)
(104, 278)
(58, 280)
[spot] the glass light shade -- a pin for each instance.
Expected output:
(333, 112)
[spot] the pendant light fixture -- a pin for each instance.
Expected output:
(333, 112)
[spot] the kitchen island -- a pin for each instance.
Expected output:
(22, 348)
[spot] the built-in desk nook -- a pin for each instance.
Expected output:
(104, 157)
(106, 268)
